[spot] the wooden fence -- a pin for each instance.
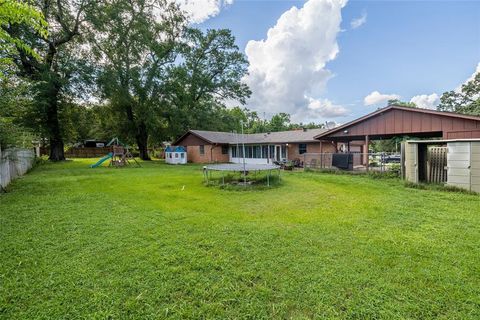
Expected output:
(82, 152)
(14, 163)
(87, 152)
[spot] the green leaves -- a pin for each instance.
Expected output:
(467, 100)
(14, 12)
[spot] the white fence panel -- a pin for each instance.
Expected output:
(14, 163)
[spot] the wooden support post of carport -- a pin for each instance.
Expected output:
(365, 152)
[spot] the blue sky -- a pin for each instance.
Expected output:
(403, 48)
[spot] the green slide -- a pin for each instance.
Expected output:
(108, 156)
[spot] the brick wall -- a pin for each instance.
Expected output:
(313, 147)
(212, 154)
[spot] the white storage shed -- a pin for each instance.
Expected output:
(451, 162)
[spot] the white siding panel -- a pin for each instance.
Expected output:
(475, 158)
(458, 172)
(458, 164)
(459, 156)
(475, 147)
(475, 167)
(476, 188)
(411, 162)
(464, 179)
(458, 147)
(475, 172)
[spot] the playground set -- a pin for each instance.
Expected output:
(119, 157)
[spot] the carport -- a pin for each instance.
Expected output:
(393, 121)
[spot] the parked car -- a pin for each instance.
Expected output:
(392, 158)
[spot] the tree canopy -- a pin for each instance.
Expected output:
(466, 100)
(17, 12)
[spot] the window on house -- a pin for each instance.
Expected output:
(248, 152)
(264, 152)
(272, 151)
(202, 149)
(224, 149)
(258, 152)
(302, 148)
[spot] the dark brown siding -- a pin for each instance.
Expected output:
(403, 122)
(466, 134)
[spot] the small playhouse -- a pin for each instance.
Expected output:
(175, 155)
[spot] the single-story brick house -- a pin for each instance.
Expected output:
(214, 146)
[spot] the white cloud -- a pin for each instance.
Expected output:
(325, 108)
(288, 66)
(357, 22)
(201, 10)
(431, 101)
(477, 70)
(426, 101)
(378, 98)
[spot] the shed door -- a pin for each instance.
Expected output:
(411, 162)
(458, 164)
(475, 166)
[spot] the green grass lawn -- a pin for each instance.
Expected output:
(153, 242)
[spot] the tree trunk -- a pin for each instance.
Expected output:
(56, 141)
(142, 141)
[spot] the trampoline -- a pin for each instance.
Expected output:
(243, 169)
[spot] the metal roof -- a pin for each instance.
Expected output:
(292, 136)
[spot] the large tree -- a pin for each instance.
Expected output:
(54, 74)
(210, 75)
(466, 100)
(13, 91)
(135, 42)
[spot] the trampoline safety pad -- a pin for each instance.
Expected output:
(239, 167)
